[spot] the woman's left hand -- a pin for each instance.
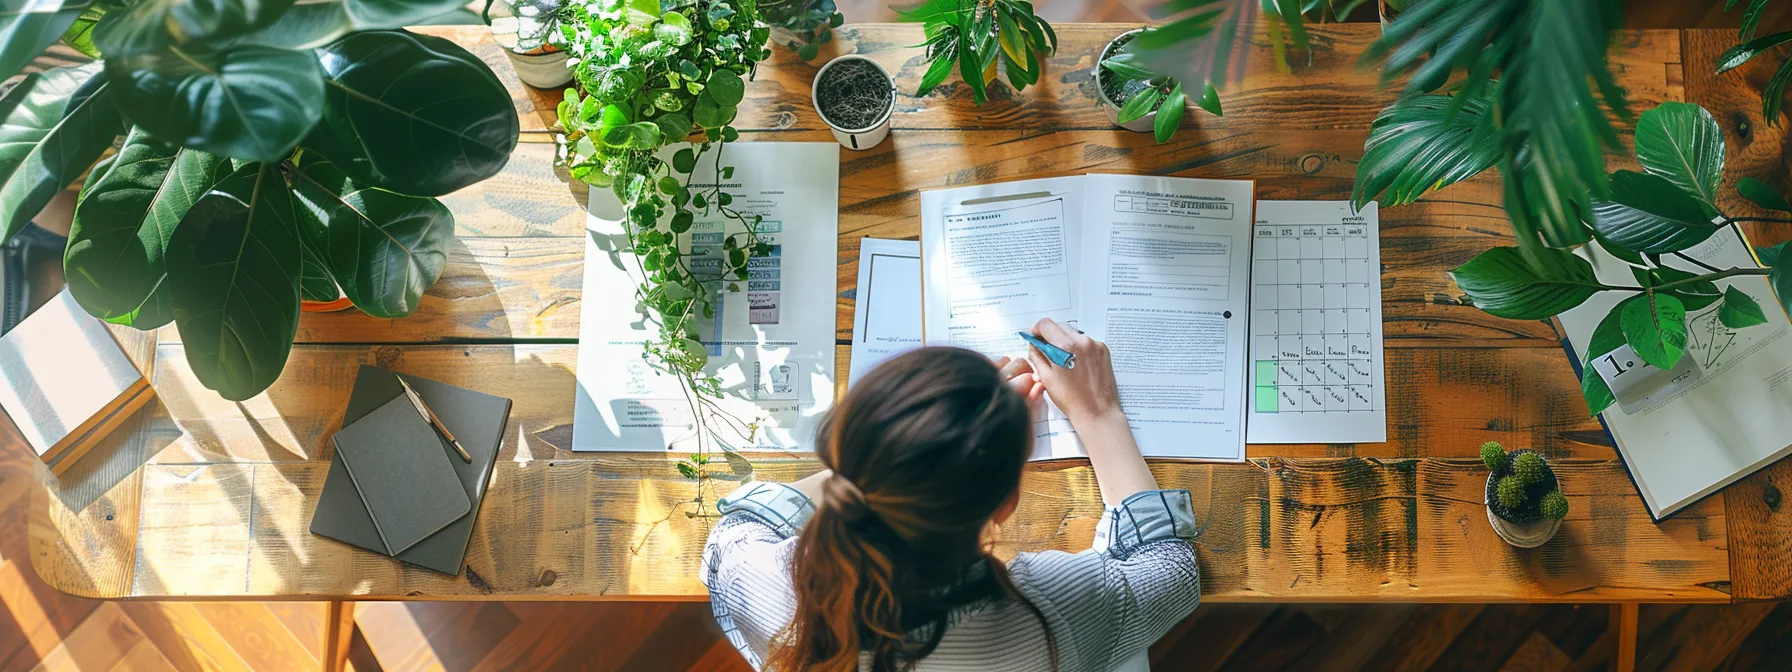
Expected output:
(1019, 374)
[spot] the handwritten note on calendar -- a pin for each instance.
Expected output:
(1316, 353)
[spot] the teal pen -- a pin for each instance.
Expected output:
(1060, 357)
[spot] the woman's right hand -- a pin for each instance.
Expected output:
(1086, 392)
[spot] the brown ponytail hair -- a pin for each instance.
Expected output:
(924, 450)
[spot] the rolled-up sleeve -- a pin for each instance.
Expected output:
(746, 563)
(1138, 581)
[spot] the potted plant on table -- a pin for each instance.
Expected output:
(254, 173)
(651, 76)
(983, 39)
(1525, 504)
(528, 35)
(802, 25)
(1134, 96)
(856, 98)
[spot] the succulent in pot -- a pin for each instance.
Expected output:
(856, 97)
(1525, 503)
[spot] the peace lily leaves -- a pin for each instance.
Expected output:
(251, 103)
(384, 249)
(234, 266)
(1415, 146)
(56, 124)
(1649, 213)
(27, 28)
(1654, 324)
(1501, 282)
(1169, 116)
(1682, 143)
(412, 113)
(115, 261)
(150, 25)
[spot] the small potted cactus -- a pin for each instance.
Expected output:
(1525, 504)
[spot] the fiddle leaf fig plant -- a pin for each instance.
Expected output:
(1652, 218)
(272, 151)
(979, 36)
(653, 74)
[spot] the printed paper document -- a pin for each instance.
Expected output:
(771, 343)
(887, 309)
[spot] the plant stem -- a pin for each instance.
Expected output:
(1698, 263)
(1713, 276)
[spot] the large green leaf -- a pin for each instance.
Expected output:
(315, 281)
(1415, 146)
(57, 123)
(115, 261)
(1681, 142)
(150, 25)
(1654, 325)
(250, 102)
(1606, 338)
(27, 28)
(1648, 213)
(383, 249)
(1740, 310)
(310, 24)
(412, 113)
(234, 266)
(1501, 282)
(1758, 193)
(1746, 51)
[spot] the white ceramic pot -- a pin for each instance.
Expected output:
(855, 138)
(1142, 124)
(542, 71)
(1522, 535)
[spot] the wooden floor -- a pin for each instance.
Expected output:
(43, 629)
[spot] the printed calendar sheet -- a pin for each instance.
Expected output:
(1316, 355)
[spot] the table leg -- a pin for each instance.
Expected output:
(1624, 619)
(339, 630)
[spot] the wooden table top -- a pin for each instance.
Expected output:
(208, 498)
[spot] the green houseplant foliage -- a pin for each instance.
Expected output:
(808, 24)
(1156, 92)
(1751, 46)
(652, 74)
(977, 37)
(1652, 215)
(272, 151)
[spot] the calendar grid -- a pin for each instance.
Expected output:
(1314, 322)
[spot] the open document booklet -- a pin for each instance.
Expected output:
(1719, 415)
(1222, 327)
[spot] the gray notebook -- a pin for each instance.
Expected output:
(476, 418)
(395, 460)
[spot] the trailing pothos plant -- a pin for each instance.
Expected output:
(1653, 215)
(653, 74)
(273, 150)
(803, 25)
(1141, 91)
(980, 36)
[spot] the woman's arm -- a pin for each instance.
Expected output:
(1089, 396)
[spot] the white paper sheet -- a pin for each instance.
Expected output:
(886, 315)
(1316, 348)
(1154, 266)
(775, 348)
(1684, 442)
